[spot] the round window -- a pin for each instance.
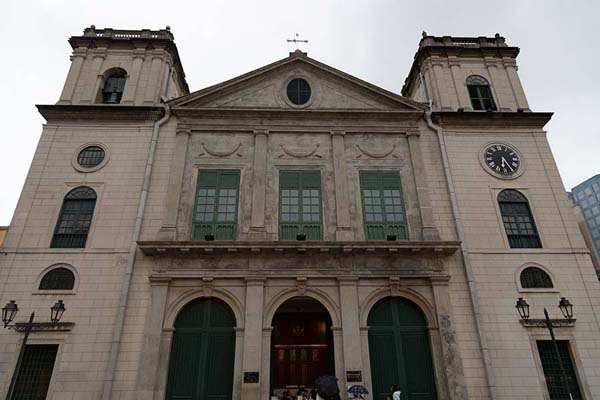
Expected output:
(91, 156)
(298, 91)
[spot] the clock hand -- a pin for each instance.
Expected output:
(507, 164)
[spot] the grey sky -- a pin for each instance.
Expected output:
(374, 40)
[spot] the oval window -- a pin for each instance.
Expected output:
(91, 156)
(298, 91)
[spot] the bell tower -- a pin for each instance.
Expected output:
(466, 74)
(128, 67)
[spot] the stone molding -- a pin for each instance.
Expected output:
(351, 248)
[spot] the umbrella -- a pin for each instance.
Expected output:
(357, 390)
(327, 386)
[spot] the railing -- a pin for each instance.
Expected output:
(449, 41)
(128, 34)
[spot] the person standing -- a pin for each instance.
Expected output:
(395, 392)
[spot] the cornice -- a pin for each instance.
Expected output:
(275, 113)
(340, 248)
(492, 119)
(100, 112)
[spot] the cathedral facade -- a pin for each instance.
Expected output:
(239, 241)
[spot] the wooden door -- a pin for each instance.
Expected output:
(399, 351)
(202, 352)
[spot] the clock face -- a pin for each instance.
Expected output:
(502, 159)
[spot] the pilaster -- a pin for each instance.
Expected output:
(134, 77)
(259, 184)
(168, 231)
(154, 78)
(77, 59)
(459, 83)
(451, 360)
(513, 77)
(253, 338)
(342, 205)
(98, 56)
(352, 348)
(153, 337)
(429, 230)
(438, 71)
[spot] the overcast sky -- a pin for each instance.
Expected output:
(373, 40)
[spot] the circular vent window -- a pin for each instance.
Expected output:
(298, 91)
(91, 156)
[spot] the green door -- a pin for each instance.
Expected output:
(399, 351)
(202, 352)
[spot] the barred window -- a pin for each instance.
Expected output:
(535, 278)
(35, 372)
(60, 278)
(518, 220)
(480, 93)
(91, 156)
(558, 389)
(75, 219)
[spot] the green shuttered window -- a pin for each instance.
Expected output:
(215, 209)
(383, 205)
(300, 205)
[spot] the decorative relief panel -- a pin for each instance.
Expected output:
(209, 150)
(300, 152)
(375, 152)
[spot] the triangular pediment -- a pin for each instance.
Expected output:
(265, 88)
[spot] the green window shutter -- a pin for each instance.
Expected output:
(215, 210)
(300, 205)
(383, 205)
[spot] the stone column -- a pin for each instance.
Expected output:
(168, 230)
(342, 204)
(513, 77)
(429, 230)
(452, 362)
(259, 184)
(253, 337)
(95, 80)
(154, 78)
(350, 329)
(134, 77)
(77, 60)
(459, 83)
(150, 361)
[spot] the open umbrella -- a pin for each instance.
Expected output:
(357, 390)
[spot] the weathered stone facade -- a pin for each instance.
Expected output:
(140, 266)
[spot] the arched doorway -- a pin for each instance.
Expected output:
(301, 345)
(202, 352)
(399, 350)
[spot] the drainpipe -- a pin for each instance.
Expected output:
(126, 280)
(465, 255)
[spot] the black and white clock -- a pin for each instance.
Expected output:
(502, 160)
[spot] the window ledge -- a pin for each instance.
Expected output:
(54, 292)
(390, 248)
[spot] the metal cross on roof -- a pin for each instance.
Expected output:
(297, 40)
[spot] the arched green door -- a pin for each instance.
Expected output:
(202, 352)
(399, 350)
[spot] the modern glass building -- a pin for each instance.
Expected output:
(587, 196)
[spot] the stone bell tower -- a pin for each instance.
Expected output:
(129, 67)
(444, 68)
